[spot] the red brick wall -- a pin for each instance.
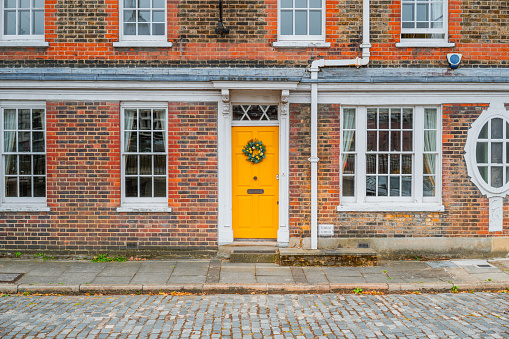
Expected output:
(83, 176)
(466, 210)
(81, 34)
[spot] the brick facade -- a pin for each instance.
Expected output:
(84, 178)
(81, 34)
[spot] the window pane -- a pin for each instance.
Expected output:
(131, 187)
(25, 186)
(430, 118)
(131, 142)
(38, 142)
(428, 188)
(395, 189)
(301, 3)
(484, 132)
(38, 3)
(371, 163)
(315, 22)
(395, 141)
(143, 29)
(131, 165)
(481, 153)
(422, 12)
(9, 3)
(145, 164)
(497, 179)
(407, 12)
(349, 164)
(483, 170)
(496, 153)
(39, 164)
(145, 142)
(286, 3)
(159, 164)
(37, 119)
(395, 164)
(23, 141)
(497, 126)
(146, 187)
(24, 121)
(406, 186)
(158, 16)
(10, 119)
(407, 141)
(158, 3)
(158, 29)
(383, 163)
(383, 141)
(371, 119)
(395, 119)
(10, 22)
(315, 3)
(11, 164)
(38, 22)
(144, 16)
(24, 24)
(383, 119)
(9, 141)
(370, 186)
(408, 119)
(382, 186)
(11, 187)
(130, 29)
(301, 23)
(130, 16)
(507, 153)
(348, 186)
(429, 164)
(406, 164)
(144, 3)
(159, 119)
(287, 22)
(130, 3)
(145, 119)
(430, 141)
(39, 187)
(25, 164)
(159, 144)
(159, 187)
(437, 15)
(371, 142)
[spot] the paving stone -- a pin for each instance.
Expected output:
(119, 269)
(341, 271)
(110, 280)
(150, 278)
(189, 268)
(86, 267)
(238, 274)
(182, 279)
(315, 275)
(273, 271)
(71, 278)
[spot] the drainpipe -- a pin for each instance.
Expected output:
(314, 69)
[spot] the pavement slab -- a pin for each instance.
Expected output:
(151, 278)
(242, 274)
(120, 269)
(187, 279)
(71, 278)
(315, 275)
(190, 268)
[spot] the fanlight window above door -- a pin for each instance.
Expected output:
(255, 112)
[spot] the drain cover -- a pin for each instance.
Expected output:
(484, 265)
(9, 277)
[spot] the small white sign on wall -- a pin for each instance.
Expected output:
(325, 230)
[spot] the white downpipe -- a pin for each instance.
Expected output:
(315, 68)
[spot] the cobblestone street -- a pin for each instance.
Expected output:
(462, 315)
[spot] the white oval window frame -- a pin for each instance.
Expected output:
(494, 111)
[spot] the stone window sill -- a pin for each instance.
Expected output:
(23, 208)
(144, 209)
(301, 44)
(142, 44)
(425, 44)
(394, 207)
(25, 43)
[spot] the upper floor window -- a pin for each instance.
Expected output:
(301, 21)
(424, 22)
(23, 156)
(23, 21)
(390, 158)
(143, 23)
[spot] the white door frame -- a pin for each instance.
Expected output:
(263, 93)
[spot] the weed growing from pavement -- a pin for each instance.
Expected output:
(357, 290)
(18, 254)
(106, 258)
(455, 289)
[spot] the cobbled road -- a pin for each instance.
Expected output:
(461, 315)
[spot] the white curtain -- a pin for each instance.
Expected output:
(430, 142)
(348, 132)
(10, 136)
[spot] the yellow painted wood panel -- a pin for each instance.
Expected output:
(255, 216)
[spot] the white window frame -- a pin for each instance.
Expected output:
(21, 203)
(137, 204)
(21, 40)
(141, 40)
(294, 40)
(417, 202)
(440, 42)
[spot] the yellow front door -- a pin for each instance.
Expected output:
(255, 186)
